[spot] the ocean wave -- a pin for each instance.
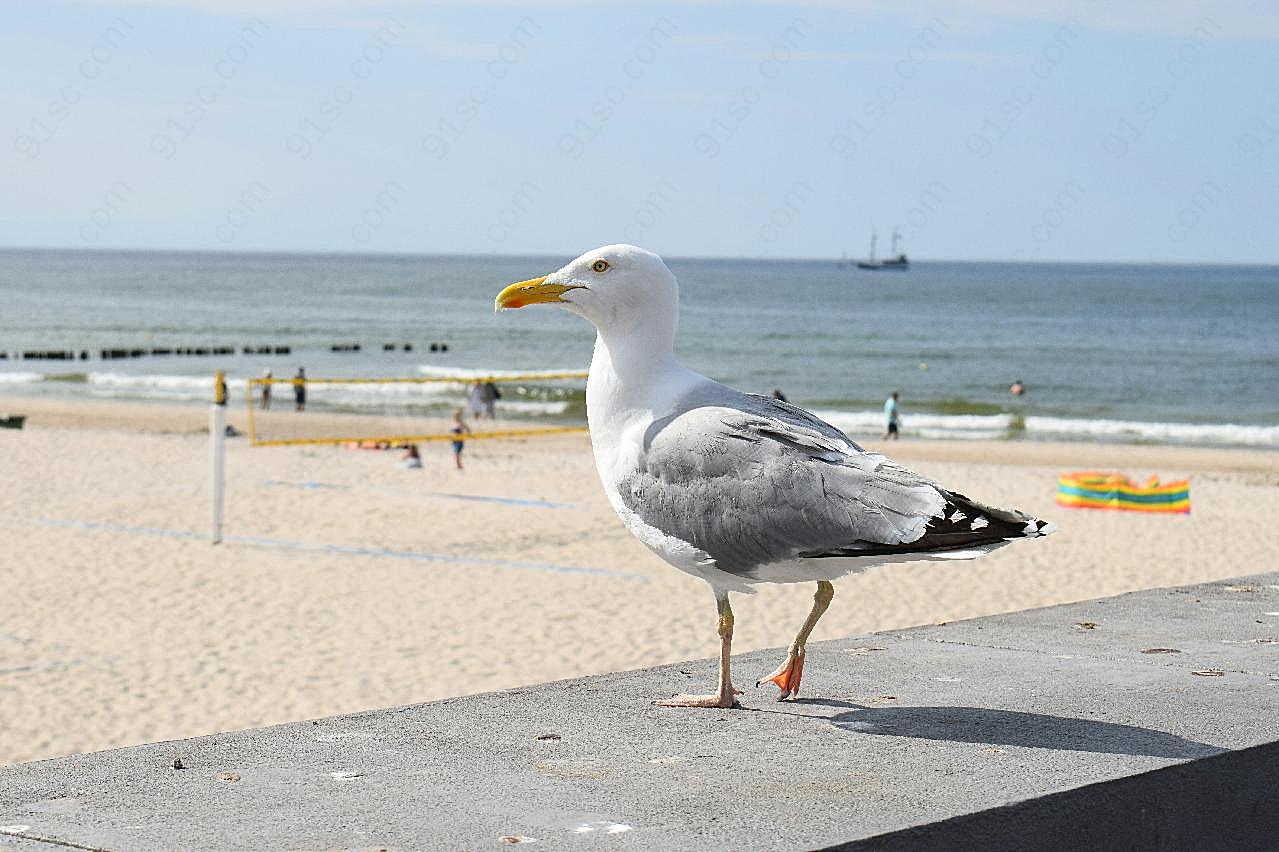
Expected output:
(536, 393)
(372, 396)
(999, 426)
(375, 393)
(1174, 433)
(533, 408)
(157, 386)
(972, 427)
(465, 374)
(21, 378)
(533, 399)
(521, 401)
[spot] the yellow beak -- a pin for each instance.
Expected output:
(531, 292)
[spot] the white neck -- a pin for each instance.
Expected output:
(634, 377)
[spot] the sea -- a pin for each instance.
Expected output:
(1150, 354)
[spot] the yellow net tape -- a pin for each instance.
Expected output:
(419, 439)
(425, 380)
(480, 435)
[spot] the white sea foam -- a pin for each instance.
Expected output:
(376, 393)
(976, 427)
(156, 386)
(159, 386)
(973, 427)
(465, 374)
(531, 407)
(20, 378)
(1179, 433)
(372, 395)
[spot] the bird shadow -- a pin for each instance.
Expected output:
(823, 702)
(1015, 728)
(999, 727)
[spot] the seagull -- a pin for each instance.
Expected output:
(735, 488)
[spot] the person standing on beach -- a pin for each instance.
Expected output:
(489, 395)
(299, 390)
(458, 429)
(475, 400)
(266, 390)
(891, 417)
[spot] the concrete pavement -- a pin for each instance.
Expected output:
(1142, 721)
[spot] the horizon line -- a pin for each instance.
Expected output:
(847, 260)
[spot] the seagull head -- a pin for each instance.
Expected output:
(619, 288)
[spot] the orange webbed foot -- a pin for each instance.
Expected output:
(787, 676)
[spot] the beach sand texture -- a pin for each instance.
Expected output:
(122, 624)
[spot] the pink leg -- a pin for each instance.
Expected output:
(791, 671)
(727, 695)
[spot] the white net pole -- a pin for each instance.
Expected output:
(217, 467)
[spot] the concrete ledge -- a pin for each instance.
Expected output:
(1041, 729)
(1225, 802)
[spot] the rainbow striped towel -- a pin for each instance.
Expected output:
(1091, 490)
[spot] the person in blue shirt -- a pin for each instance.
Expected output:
(892, 418)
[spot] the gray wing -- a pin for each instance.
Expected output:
(753, 481)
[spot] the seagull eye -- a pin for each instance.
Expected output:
(600, 266)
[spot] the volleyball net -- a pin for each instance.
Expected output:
(393, 412)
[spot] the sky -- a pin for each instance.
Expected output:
(986, 129)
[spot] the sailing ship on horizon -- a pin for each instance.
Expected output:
(895, 260)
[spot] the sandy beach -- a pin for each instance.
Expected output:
(346, 583)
